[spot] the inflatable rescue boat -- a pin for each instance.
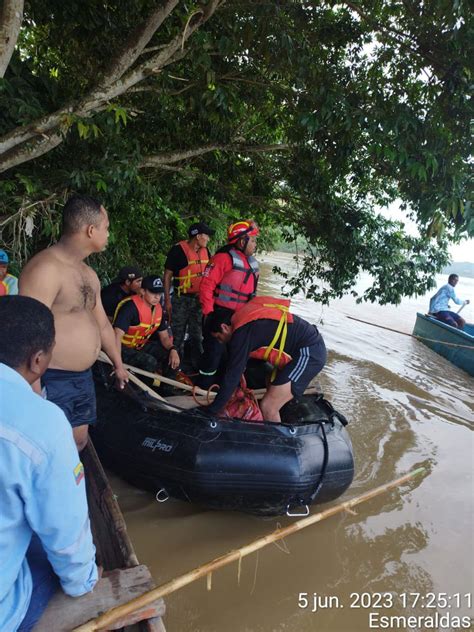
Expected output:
(259, 468)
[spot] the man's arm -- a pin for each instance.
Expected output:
(238, 354)
(454, 298)
(108, 339)
(167, 278)
(213, 274)
(167, 343)
(57, 511)
(41, 280)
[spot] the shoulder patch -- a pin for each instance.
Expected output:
(78, 473)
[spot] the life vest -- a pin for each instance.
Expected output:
(191, 275)
(238, 285)
(137, 336)
(268, 307)
(9, 285)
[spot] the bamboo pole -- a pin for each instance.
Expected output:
(103, 357)
(258, 392)
(404, 333)
(113, 615)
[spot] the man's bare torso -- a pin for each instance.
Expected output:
(70, 290)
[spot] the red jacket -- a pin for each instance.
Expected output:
(220, 272)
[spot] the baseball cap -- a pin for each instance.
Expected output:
(153, 283)
(129, 273)
(198, 228)
(4, 257)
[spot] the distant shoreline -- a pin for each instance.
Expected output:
(462, 268)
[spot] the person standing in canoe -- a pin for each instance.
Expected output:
(230, 281)
(439, 304)
(45, 535)
(184, 267)
(136, 320)
(59, 278)
(264, 329)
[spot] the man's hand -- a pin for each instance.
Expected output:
(173, 359)
(121, 375)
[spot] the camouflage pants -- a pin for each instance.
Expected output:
(152, 357)
(187, 314)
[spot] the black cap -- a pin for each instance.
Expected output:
(129, 273)
(153, 283)
(200, 227)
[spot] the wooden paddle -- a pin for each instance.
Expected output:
(117, 613)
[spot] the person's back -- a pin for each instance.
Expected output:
(42, 491)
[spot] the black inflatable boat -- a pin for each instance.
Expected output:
(259, 468)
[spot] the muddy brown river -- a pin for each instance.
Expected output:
(407, 553)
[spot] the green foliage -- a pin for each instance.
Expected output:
(372, 98)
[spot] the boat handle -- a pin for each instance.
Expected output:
(162, 496)
(297, 514)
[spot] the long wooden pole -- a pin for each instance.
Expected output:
(117, 613)
(103, 357)
(258, 392)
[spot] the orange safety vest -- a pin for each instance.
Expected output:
(267, 307)
(191, 275)
(138, 336)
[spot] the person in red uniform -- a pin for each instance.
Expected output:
(229, 282)
(184, 267)
(265, 329)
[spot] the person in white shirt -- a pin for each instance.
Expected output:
(45, 536)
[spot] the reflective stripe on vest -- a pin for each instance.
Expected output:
(191, 275)
(268, 308)
(243, 275)
(137, 336)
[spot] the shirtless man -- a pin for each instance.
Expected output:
(59, 278)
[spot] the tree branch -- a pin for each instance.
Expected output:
(11, 17)
(136, 43)
(172, 157)
(115, 82)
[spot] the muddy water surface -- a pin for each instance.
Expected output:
(407, 407)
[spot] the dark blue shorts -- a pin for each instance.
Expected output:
(74, 393)
(303, 368)
(448, 317)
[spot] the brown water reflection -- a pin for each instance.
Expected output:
(407, 407)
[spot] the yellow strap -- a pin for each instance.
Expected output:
(283, 330)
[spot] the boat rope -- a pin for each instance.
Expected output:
(404, 333)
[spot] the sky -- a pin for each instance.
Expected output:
(463, 251)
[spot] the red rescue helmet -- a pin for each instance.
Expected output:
(242, 228)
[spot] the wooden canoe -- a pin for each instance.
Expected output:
(455, 345)
(123, 579)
